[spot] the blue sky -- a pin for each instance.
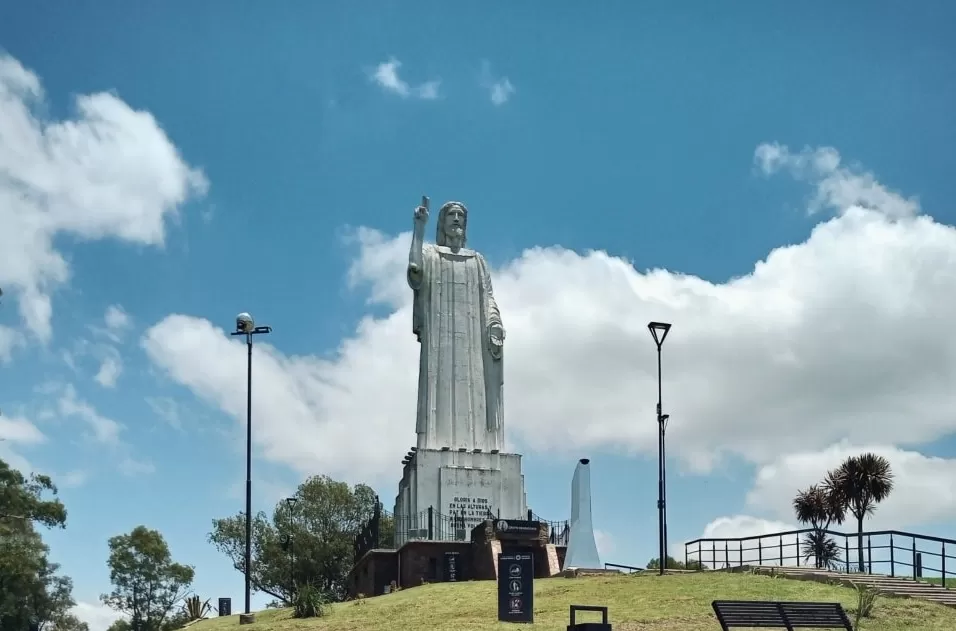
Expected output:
(165, 167)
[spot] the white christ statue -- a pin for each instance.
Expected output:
(457, 323)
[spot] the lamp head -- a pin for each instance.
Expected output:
(245, 323)
(659, 331)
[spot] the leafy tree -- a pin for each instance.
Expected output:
(174, 622)
(21, 498)
(147, 584)
(68, 622)
(859, 484)
(674, 564)
(327, 517)
(31, 591)
(819, 507)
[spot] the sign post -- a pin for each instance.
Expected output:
(516, 587)
(225, 606)
(452, 568)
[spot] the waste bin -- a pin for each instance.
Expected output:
(589, 626)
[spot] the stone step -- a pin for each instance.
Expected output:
(890, 585)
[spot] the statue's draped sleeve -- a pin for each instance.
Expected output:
(491, 315)
(420, 286)
(494, 367)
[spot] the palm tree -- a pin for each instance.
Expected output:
(859, 484)
(819, 507)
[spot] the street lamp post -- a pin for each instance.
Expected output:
(246, 326)
(659, 331)
(290, 502)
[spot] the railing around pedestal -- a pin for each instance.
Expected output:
(384, 530)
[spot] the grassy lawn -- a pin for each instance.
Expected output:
(636, 603)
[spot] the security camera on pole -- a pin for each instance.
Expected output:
(246, 325)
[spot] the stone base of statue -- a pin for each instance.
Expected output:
(461, 489)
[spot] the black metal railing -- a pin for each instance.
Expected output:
(384, 530)
(431, 525)
(628, 569)
(559, 531)
(919, 556)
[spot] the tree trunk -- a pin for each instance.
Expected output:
(859, 542)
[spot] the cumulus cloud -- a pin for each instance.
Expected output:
(924, 487)
(849, 329)
(108, 173)
(385, 75)
(20, 430)
(16, 432)
(838, 187)
(763, 551)
(98, 616)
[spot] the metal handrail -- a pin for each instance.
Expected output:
(701, 547)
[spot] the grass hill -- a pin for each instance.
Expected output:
(635, 603)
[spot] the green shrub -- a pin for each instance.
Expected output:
(310, 602)
(865, 600)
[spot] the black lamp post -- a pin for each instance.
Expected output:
(246, 326)
(290, 502)
(659, 331)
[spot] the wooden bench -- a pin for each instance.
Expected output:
(780, 615)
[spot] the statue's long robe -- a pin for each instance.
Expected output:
(459, 382)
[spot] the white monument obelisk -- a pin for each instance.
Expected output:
(456, 467)
(582, 548)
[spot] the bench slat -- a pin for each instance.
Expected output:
(803, 615)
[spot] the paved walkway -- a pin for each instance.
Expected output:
(896, 586)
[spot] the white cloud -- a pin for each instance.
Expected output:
(102, 430)
(386, 76)
(16, 431)
(72, 479)
(820, 339)
(839, 187)
(131, 466)
(499, 89)
(117, 321)
(20, 430)
(105, 430)
(109, 372)
(925, 487)
(763, 551)
(167, 409)
(109, 361)
(98, 616)
(9, 340)
(110, 172)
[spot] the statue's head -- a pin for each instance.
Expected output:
(452, 225)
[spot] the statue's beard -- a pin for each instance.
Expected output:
(455, 237)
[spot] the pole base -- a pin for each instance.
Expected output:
(247, 618)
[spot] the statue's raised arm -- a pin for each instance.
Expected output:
(415, 263)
